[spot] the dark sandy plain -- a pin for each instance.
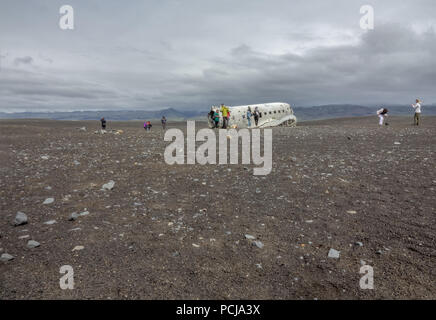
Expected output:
(180, 232)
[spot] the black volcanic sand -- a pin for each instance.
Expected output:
(178, 232)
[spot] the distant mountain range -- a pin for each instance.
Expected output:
(302, 113)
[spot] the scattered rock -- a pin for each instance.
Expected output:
(334, 254)
(258, 244)
(351, 211)
(249, 237)
(74, 216)
(50, 222)
(358, 243)
(20, 219)
(108, 186)
(6, 257)
(78, 248)
(33, 244)
(48, 201)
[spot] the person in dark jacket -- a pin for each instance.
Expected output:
(103, 123)
(164, 122)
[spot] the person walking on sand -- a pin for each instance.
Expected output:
(149, 126)
(164, 122)
(382, 113)
(103, 123)
(145, 125)
(417, 107)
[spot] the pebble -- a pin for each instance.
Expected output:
(78, 248)
(20, 219)
(74, 216)
(48, 201)
(50, 222)
(6, 257)
(358, 243)
(33, 244)
(334, 254)
(258, 244)
(108, 186)
(249, 237)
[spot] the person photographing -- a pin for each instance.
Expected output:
(417, 107)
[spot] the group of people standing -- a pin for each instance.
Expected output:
(253, 114)
(148, 125)
(383, 113)
(214, 115)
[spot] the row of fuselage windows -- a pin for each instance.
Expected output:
(263, 113)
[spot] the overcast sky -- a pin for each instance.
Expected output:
(197, 53)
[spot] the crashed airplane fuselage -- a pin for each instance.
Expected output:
(270, 115)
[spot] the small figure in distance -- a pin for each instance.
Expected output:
(249, 117)
(256, 115)
(382, 113)
(224, 112)
(149, 126)
(211, 115)
(145, 125)
(164, 122)
(216, 118)
(417, 107)
(103, 123)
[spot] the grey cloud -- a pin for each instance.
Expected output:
(399, 67)
(23, 60)
(191, 54)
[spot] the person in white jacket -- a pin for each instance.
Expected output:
(382, 113)
(417, 107)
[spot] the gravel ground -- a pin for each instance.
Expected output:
(219, 232)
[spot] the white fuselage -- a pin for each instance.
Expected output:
(271, 115)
